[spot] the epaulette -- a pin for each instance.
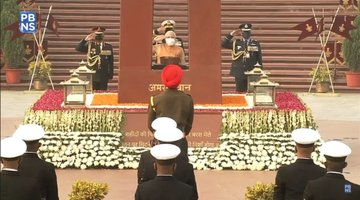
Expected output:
(152, 104)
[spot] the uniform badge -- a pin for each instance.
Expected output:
(93, 51)
(347, 188)
(105, 53)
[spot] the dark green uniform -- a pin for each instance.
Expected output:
(100, 58)
(245, 54)
(176, 105)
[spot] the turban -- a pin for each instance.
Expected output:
(171, 75)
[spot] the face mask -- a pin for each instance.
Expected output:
(170, 41)
(246, 34)
(99, 37)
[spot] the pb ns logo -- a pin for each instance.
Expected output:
(28, 21)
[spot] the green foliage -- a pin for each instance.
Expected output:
(2, 62)
(351, 48)
(322, 74)
(41, 71)
(260, 191)
(87, 190)
(13, 50)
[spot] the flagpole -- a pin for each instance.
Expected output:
(42, 40)
(327, 39)
(40, 53)
(36, 60)
(47, 20)
(323, 54)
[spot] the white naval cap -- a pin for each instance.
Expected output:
(165, 151)
(335, 150)
(163, 122)
(12, 147)
(305, 136)
(168, 23)
(171, 134)
(29, 132)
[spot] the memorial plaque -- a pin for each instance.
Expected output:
(205, 131)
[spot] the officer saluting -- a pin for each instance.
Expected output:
(333, 186)
(246, 52)
(100, 57)
(13, 185)
(159, 33)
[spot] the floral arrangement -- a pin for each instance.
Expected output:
(237, 151)
(52, 100)
(47, 111)
(88, 150)
(87, 120)
(260, 191)
(87, 190)
(251, 139)
(242, 151)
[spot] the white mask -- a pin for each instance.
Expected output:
(170, 41)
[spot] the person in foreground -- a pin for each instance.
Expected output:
(167, 133)
(291, 179)
(32, 166)
(164, 185)
(13, 185)
(173, 103)
(333, 186)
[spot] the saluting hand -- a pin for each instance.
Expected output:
(158, 38)
(161, 30)
(236, 32)
(90, 37)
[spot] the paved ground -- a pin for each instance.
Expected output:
(338, 117)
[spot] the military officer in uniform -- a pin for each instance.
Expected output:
(291, 179)
(32, 166)
(333, 186)
(99, 57)
(167, 134)
(15, 186)
(159, 33)
(164, 185)
(173, 103)
(246, 53)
